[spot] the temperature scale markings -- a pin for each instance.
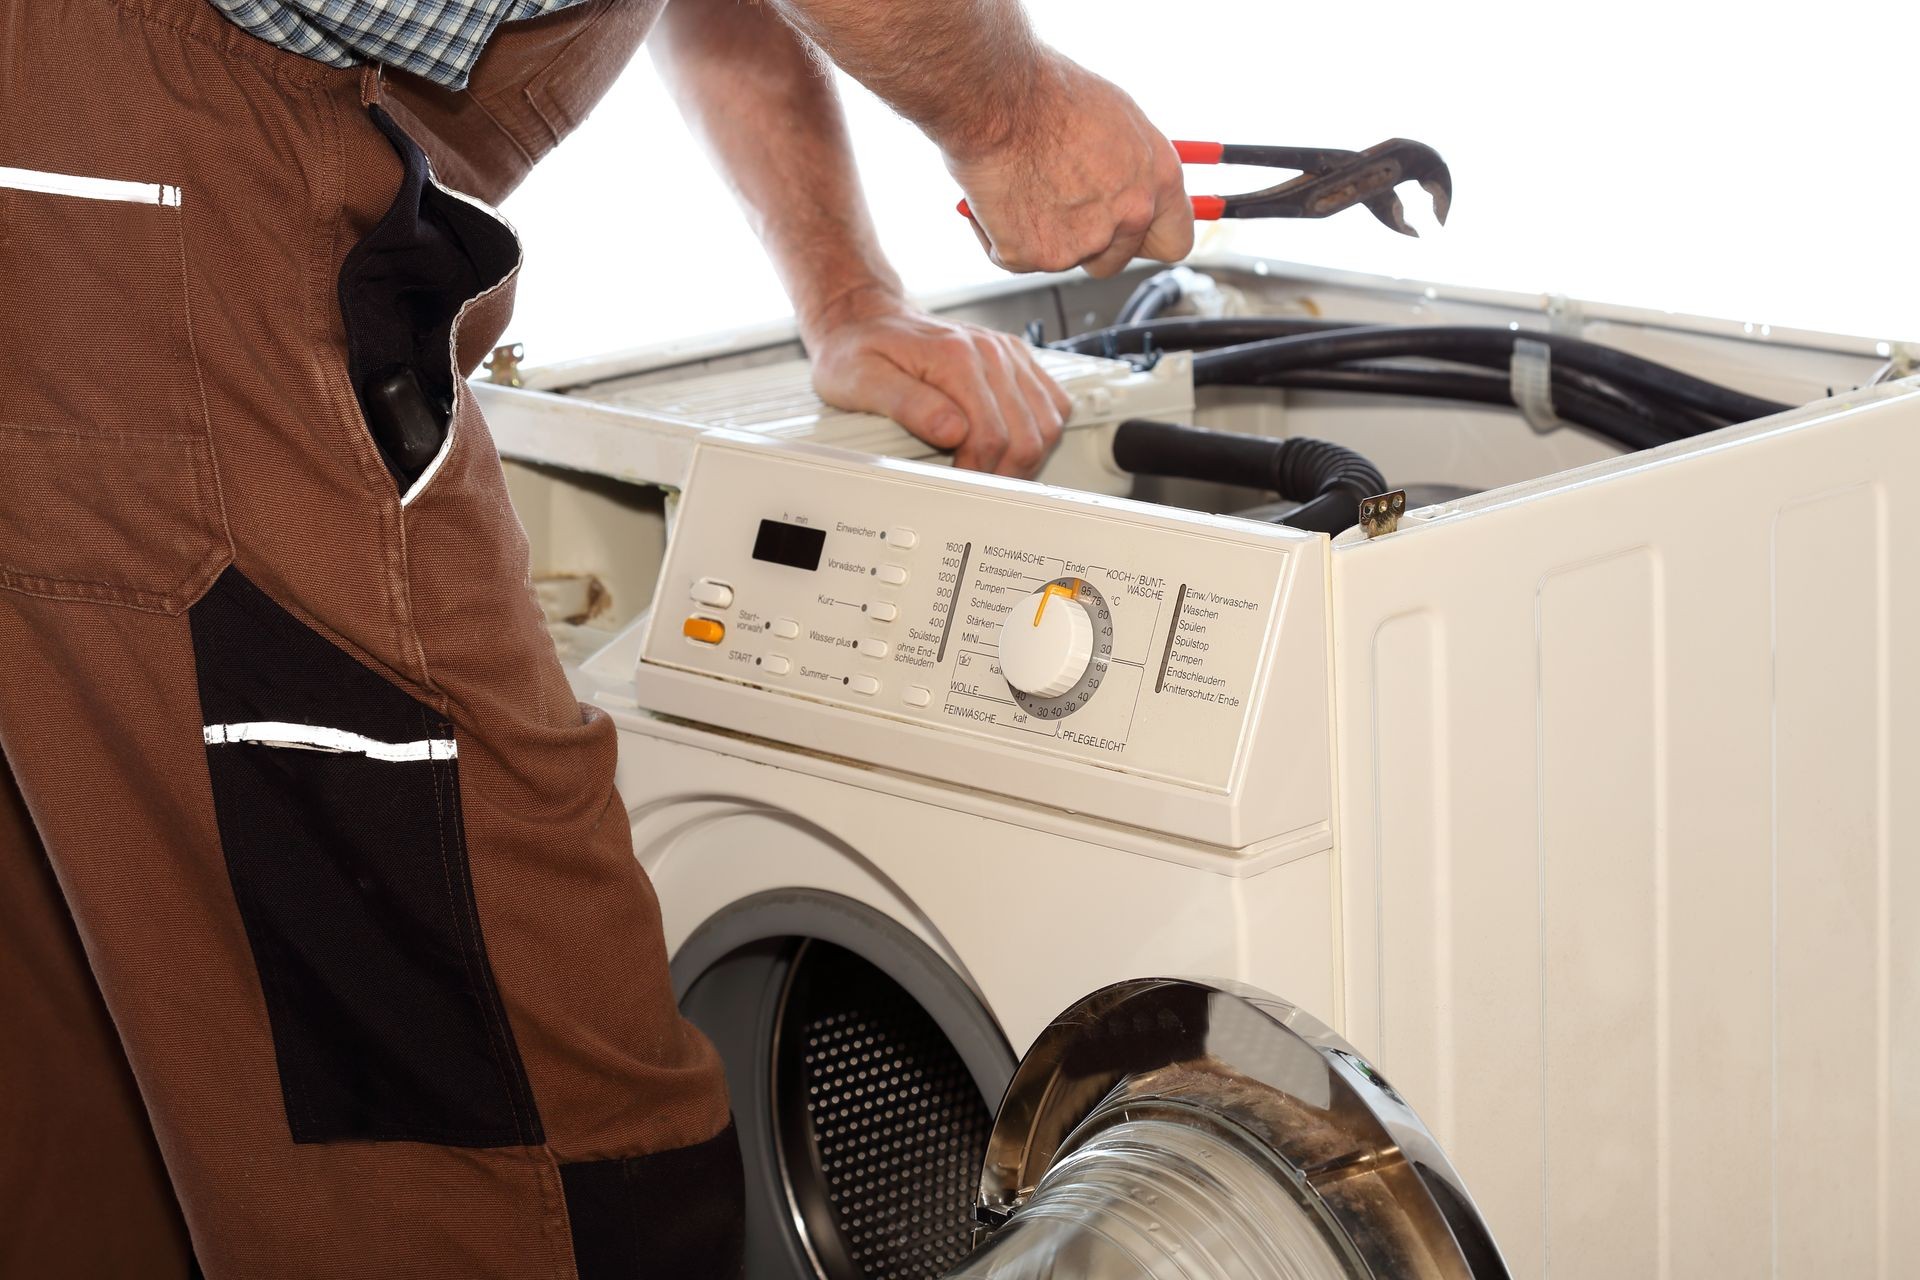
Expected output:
(953, 600)
(1051, 731)
(1166, 656)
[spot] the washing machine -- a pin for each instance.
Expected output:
(1570, 793)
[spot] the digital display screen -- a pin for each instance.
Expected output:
(794, 545)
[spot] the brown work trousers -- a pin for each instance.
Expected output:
(323, 951)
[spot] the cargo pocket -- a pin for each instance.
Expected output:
(338, 801)
(403, 289)
(108, 490)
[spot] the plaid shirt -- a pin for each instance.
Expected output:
(439, 39)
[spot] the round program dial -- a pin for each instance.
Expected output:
(1054, 667)
(1045, 643)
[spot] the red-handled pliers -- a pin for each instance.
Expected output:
(1330, 180)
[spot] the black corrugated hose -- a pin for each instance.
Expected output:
(1480, 345)
(1190, 333)
(1153, 295)
(1632, 401)
(1328, 479)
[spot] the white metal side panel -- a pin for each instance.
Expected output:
(1832, 865)
(1630, 849)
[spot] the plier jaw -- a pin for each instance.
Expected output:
(1330, 180)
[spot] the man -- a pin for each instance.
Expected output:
(320, 931)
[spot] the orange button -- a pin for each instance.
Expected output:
(705, 630)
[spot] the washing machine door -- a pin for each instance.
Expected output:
(1175, 1130)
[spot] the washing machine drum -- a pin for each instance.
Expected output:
(1173, 1130)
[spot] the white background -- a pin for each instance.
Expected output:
(1753, 161)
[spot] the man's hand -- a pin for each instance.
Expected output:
(1060, 168)
(974, 391)
(1082, 179)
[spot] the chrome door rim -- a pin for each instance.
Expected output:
(1352, 1147)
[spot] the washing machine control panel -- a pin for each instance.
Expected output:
(1063, 624)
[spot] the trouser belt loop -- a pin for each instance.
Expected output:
(370, 84)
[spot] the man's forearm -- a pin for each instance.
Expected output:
(972, 75)
(752, 91)
(748, 83)
(965, 71)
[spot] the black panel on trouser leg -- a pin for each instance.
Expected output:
(675, 1213)
(352, 879)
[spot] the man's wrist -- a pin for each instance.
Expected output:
(848, 304)
(1003, 116)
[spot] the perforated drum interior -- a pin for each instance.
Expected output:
(882, 1128)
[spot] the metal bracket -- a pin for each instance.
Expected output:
(1381, 513)
(503, 366)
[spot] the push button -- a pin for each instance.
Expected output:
(864, 684)
(786, 628)
(777, 665)
(715, 595)
(704, 630)
(871, 648)
(905, 539)
(916, 696)
(881, 611)
(892, 574)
